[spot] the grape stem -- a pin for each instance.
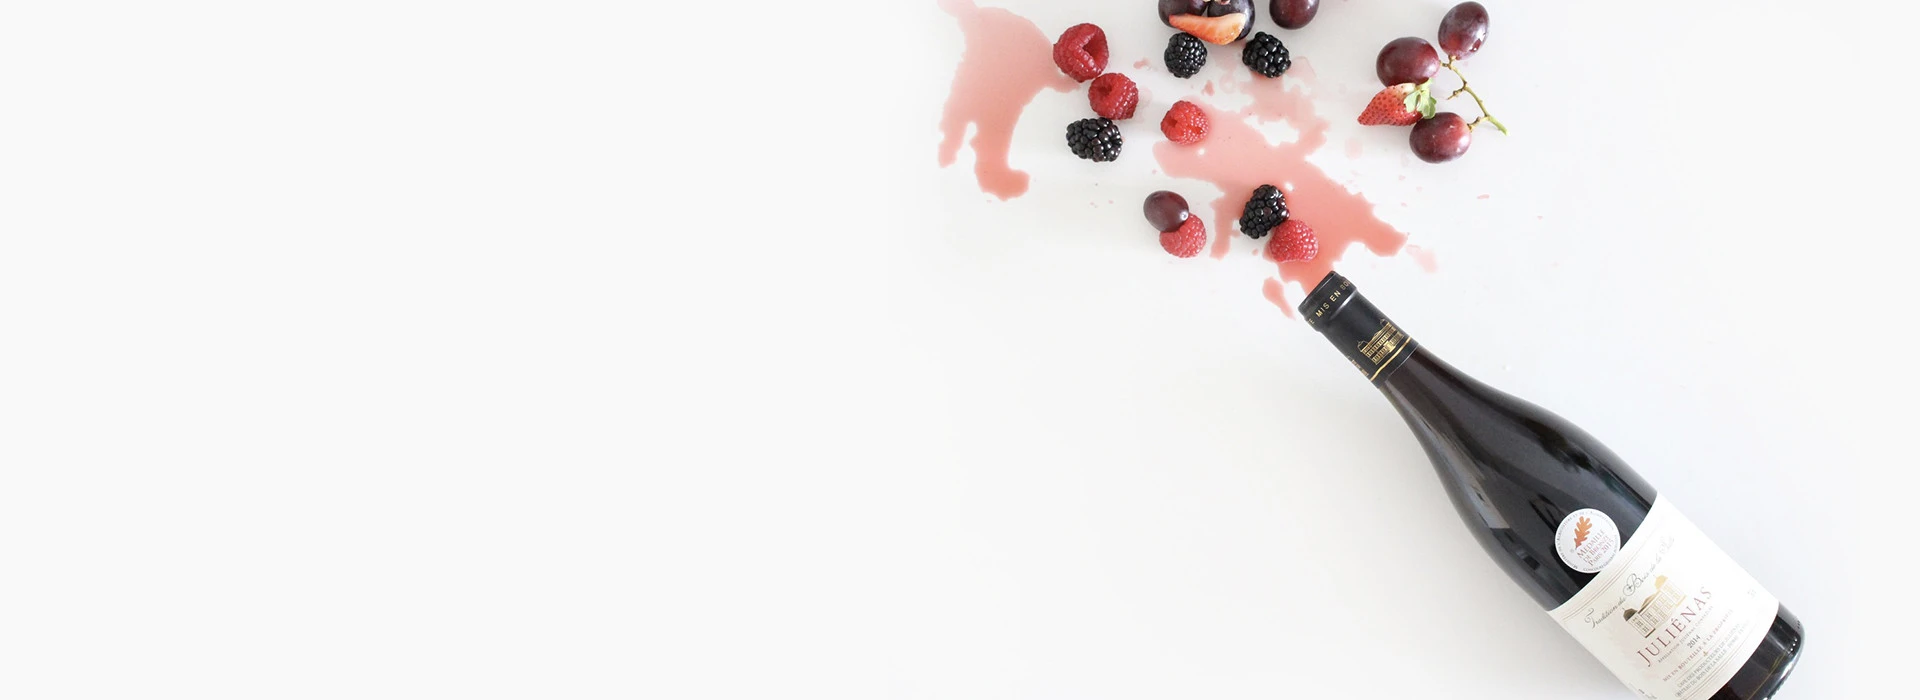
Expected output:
(1485, 116)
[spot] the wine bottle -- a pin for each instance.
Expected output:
(1612, 561)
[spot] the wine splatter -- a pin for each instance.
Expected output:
(1271, 290)
(1236, 158)
(1006, 63)
(1424, 258)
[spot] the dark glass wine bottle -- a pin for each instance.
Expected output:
(1612, 562)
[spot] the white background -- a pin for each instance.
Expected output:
(416, 349)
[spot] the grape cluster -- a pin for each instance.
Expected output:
(1437, 137)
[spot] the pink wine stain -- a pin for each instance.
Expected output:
(1271, 290)
(1485, 196)
(1236, 158)
(1007, 62)
(1353, 147)
(1424, 257)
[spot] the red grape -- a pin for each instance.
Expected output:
(1173, 8)
(1293, 14)
(1463, 30)
(1408, 59)
(1166, 210)
(1442, 138)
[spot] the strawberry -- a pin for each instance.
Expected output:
(1186, 241)
(1399, 105)
(1221, 30)
(1293, 241)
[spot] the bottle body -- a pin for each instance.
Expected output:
(1613, 563)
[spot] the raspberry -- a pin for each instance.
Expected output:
(1081, 52)
(1186, 241)
(1185, 124)
(1113, 96)
(1097, 140)
(1265, 210)
(1185, 55)
(1293, 241)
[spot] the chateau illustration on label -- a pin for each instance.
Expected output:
(1659, 607)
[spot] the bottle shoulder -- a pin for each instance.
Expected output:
(1514, 470)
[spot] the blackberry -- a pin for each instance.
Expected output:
(1267, 209)
(1266, 55)
(1094, 139)
(1185, 55)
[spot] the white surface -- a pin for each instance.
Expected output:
(416, 349)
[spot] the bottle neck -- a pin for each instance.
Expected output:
(1372, 342)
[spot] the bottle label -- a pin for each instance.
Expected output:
(1670, 614)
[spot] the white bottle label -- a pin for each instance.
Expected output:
(1671, 615)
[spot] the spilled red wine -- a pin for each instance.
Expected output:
(1614, 563)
